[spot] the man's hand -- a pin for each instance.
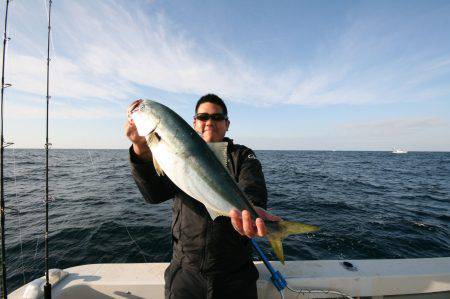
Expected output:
(140, 146)
(243, 223)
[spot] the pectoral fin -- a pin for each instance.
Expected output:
(158, 168)
(152, 139)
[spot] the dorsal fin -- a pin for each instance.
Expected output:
(214, 214)
(220, 151)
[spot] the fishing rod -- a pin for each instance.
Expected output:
(2, 200)
(47, 286)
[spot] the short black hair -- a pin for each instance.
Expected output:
(212, 98)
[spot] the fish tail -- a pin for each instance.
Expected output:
(279, 230)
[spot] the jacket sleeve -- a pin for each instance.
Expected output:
(153, 187)
(251, 178)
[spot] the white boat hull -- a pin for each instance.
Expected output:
(407, 278)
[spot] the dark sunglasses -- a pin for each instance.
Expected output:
(206, 116)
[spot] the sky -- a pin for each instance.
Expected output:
(295, 75)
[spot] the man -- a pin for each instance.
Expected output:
(211, 259)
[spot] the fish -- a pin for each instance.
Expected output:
(185, 158)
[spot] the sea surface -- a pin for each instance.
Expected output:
(369, 205)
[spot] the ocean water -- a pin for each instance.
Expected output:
(369, 205)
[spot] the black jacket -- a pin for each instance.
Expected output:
(212, 247)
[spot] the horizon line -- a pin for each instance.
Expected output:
(306, 150)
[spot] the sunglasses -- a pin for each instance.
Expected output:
(206, 116)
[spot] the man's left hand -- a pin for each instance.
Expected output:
(243, 223)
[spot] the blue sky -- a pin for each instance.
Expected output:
(324, 75)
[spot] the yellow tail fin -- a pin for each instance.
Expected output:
(277, 231)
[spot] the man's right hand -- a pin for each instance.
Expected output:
(140, 146)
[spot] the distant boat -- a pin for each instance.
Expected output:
(399, 151)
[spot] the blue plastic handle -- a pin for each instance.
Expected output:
(277, 279)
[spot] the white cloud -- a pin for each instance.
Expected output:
(394, 127)
(105, 51)
(35, 109)
(414, 134)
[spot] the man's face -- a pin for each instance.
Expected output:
(211, 130)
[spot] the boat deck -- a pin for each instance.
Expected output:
(401, 278)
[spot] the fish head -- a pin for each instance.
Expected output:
(146, 117)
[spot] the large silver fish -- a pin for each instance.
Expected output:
(181, 154)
